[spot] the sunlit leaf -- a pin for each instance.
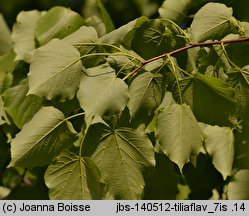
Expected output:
(212, 21)
(121, 155)
(23, 34)
(146, 92)
(101, 92)
(42, 139)
(117, 35)
(55, 71)
(73, 177)
(58, 22)
(178, 133)
(80, 37)
(219, 143)
(84, 34)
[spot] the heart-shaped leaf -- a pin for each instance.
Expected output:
(211, 99)
(146, 92)
(101, 92)
(178, 133)
(217, 86)
(55, 71)
(219, 143)
(73, 177)
(58, 22)
(212, 21)
(42, 139)
(121, 155)
(23, 34)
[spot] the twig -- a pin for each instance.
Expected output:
(186, 48)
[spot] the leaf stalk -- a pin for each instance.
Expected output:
(189, 46)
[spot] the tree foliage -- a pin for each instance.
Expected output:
(149, 110)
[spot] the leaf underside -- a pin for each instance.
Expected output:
(73, 178)
(42, 139)
(121, 155)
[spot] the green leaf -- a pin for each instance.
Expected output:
(2, 111)
(105, 17)
(176, 10)
(7, 62)
(100, 92)
(211, 99)
(5, 37)
(97, 16)
(121, 63)
(84, 34)
(23, 34)
(58, 22)
(146, 92)
(219, 143)
(55, 71)
(217, 86)
(20, 107)
(151, 38)
(4, 192)
(72, 177)
(167, 101)
(178, 133)
(121, 155)
(238, 187)
(240, 82)
(117, 35)
(212, 21)
(129, 36)
(7, 65)
(42, 139)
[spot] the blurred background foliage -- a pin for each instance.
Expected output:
(121, 11)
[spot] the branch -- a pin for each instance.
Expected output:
(186, 48)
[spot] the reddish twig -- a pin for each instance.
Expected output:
(186, 48)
